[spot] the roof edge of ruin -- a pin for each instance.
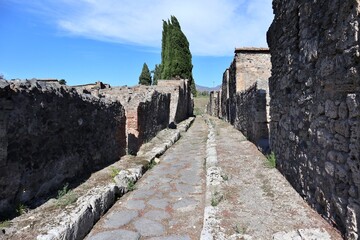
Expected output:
(252, 50)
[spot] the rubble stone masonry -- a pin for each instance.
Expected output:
(213, 107)
(243, 100)
(315, 104)
(147, 112)
(181, 103)
(50, 135)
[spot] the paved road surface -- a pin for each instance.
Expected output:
(233, 196)
(168, 200)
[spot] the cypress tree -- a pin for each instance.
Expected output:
(157, 73)
(145, 76)
(176, 59)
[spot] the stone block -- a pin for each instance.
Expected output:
(331, 110)
(353, 103)
(342, 128)
(352, 220)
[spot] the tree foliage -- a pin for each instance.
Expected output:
(145, 76)
(62, 82)
(157, 73)
(176, 58)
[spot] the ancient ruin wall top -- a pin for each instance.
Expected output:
(252, 50)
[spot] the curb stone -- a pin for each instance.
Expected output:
(214, 181)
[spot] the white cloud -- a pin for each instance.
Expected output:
(213, 27)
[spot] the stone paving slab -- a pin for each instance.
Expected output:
(168, 201)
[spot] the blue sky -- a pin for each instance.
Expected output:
(84, 41)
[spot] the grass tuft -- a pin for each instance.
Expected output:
(151, 165)
(216, 199)
(271, 160)
(5, 224)
(114, 171)
(65, 196)
(240, 229)
(22, 209)
(224, 176)
(131, 185)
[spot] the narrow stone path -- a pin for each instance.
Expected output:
(168, 201)
(212, 184)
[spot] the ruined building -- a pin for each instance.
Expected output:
(315, 104)
(51, 134)
(243, 100)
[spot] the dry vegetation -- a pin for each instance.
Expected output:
(200, 104)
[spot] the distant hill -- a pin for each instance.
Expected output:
(207, 89)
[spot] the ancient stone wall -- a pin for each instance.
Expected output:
(181, 104)
(147, 112)
(315, 104)
(244, 100)
(49, 135)
(92, 88)
(251, 114)
(52, 134)
(231, 101)
(150, 109)
(214, 105)
(225, 96)
(252, 66)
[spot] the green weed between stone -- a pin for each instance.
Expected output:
(22, 209)
(131, 185)
(224, 176)
(5, 224)
(65, 196)
(271, 160)
(151, 165)
(114, 171)
(240, 229)
(216, 199)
